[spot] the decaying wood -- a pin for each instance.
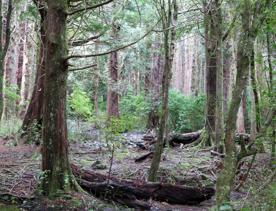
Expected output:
(143, 157)
(130, 193)
(186, 138)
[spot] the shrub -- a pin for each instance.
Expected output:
(80, 104)
(134, 110)
(186, 113)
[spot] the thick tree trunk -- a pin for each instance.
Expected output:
(33, 115)
(55, 163)
(154, 80)
(228, 71)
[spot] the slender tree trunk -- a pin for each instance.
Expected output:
(228, 70)
(10, 74)
(96, 78)
(272, 92)
(255, 91)
(28, 64)
(240, 123)
(169, 47)
(4, 45)
(219, 123)
(211, 70)
(55, 162)
(245, 47)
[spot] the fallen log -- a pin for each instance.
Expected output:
(143, 157)
(128, 192)
(186, 138)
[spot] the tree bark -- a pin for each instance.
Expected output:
(112, 92)
(4, 45)
(124, 190)
(245, 46)
(211, 70)
(33, 115)
(219, 123)
(169, 47)
(10, 74)
(58, 177)
(154, 80)
(28, 63)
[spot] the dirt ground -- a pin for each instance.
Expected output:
(19, 168)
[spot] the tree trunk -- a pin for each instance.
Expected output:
(154, 83)
(96, 78)
(219, 123)
(112, 93)
(254, 85)
(4, 45)
(33, 115)
(58, 177)
(28, 64)
(245, 47)
(169, 47)
(240, 123)
(271, 90)
(211, 71)
(10, 76)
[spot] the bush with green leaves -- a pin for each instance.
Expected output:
(80, 104)
(186, 113)
(134, 110)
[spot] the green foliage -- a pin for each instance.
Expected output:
(11, 93)
(134, 110)
(186, 113)
(80, 104)
(10, 128)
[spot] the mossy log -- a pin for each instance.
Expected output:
(186, 138)
(133, 193)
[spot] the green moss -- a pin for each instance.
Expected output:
(5, 207)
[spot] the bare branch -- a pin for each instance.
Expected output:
(230, 27)
(81, 42)
(82, 68)
(90, 7)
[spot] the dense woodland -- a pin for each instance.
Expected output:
(137, 105)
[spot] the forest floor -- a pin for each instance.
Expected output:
(192, 166)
